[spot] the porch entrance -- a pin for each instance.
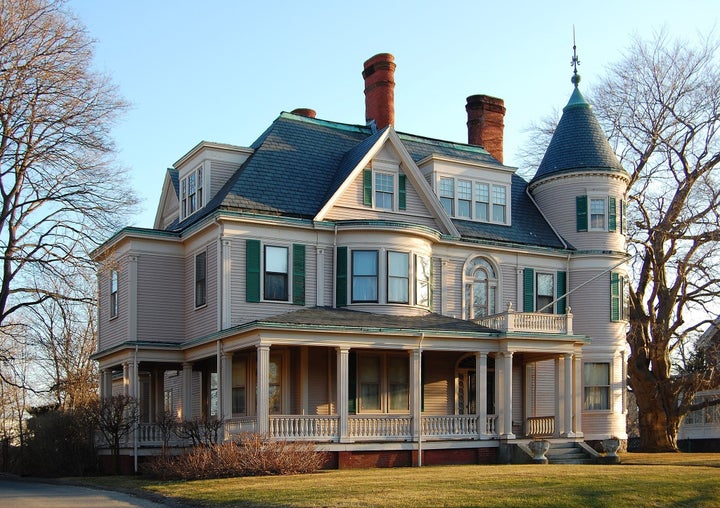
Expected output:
(467, 385)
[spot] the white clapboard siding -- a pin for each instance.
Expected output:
(113, 330)
(160, 298)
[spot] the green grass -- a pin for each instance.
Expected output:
(641, 480)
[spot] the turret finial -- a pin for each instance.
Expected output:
(575, 62)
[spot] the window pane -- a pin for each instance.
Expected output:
(463, 208)
(398, 264)
(238, 399)
(597, 213)
(276, 259)
(398, 380)
(597, 374)
(364, 281)
(369, 374)
(464, 189)
(365, 262)
(422, 274)
(384, 189)
(544, 293)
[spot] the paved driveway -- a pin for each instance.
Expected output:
(29, 494)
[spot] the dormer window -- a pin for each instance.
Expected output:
(191, 193)
(487, 203)
(384, 189)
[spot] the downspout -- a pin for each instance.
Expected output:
(137, 419)
(420, 428)
(334, 264)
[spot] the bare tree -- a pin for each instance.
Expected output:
(61, 192)
(115, 418)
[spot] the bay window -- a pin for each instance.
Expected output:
(365, 276)
(596, 378)
(422, 280)
(398, 277)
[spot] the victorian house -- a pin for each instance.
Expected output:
(395, 299)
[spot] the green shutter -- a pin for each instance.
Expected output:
(581, 211)
(614, 296)
(252, 270)
(298, 292)
(528, 290)
(341, 277)
(352, 382)
(561, 304)
(367, 187)
(402, 195)
(612, 214)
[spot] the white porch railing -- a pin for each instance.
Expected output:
(234, 426)
(299, 427)
(380, 427)
(449, 426)
(532, 322)
(540, 426)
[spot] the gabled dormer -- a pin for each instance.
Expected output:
(203, 171)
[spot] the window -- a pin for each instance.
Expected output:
(369, 381)
(597, 386)
(480, 289)
(384, 190)
(168, 401)
(464, 198)
(398, 376)
(239, 380)
(545, 293)
(191, 193)
(383, 382)
(275, 384)
(379, 190)
(398, 277)
(422, 280)
(482, 201)
(597, 214)
(499, 204)
(365, 276)
(201, 279)
(213, 402)
(113, 293)
(276, 273)
(447, 195)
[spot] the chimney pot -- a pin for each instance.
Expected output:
(310, 113)
(486, 123)
(379, 75)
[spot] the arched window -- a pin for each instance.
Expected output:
(480, 289)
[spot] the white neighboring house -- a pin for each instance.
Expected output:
(394, 298)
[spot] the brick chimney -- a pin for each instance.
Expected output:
(485, 123)
(310, 113)
(379, 75)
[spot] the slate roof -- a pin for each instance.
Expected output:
(330, 317)
(578, 143)
(298, 163)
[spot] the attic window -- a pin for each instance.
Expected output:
(191, 193)
(488, 202)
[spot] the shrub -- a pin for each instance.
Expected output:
(248, 455)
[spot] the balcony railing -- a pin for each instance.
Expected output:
(530, 322)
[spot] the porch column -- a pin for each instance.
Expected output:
(225, 386)
(416, 392)
(187, 380)
(568, 397)
(559, 399)
(105, 383)
(481, 393)
(263, 389)
(507, 395)
(130, 379)
(343, 392)
(578, 395)
(499, 409)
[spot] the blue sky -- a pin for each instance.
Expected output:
(224, 70)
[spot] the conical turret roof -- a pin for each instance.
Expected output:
(578, 143)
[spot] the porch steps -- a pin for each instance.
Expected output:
(568, 453)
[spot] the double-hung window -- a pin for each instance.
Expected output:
(422, 280)
(239, 381)
(398, 277)
(384, 190)
(447, 195)
(482, 201)
(597, 386)
(597, 214)
(545, 293)
(276, 273)
(201, 279)
(191, 193)
(499, 204)
(464, 195)
(114, 293)
(365, 276)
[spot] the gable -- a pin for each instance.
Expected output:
(168, 209)
(385, 185)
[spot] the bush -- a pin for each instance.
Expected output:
(248, 455)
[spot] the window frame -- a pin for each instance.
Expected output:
(492, 198)
(201, 283)
(356, 277)
(553, 292)
(422, 285)
(444, 196)
(379, 190)
(606, 388)
(192, 195)
(266, 273)
(591, 213)
(383, 384)
(491, 283)
(393, 277)
(114, 294)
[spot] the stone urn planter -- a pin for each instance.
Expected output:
(611, 446)
(539, 447)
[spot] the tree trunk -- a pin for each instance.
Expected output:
(656, 434)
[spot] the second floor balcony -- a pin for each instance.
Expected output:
(512, 321)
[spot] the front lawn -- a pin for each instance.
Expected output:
(642, 480)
